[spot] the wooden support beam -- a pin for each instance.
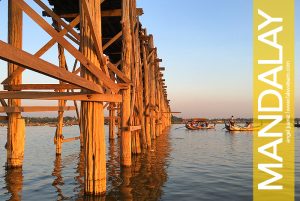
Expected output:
(69, 47)
(139, 12)
(123, 86)
(39, 53)
(144, 38)
(35, 109)
(150, 54)
(111, 41)
(57, 19)
(26, 60)
(132, 128)
(119, 73)
(3, 118)
(61, 96)
(162, 68)
(70, 139)
(20, 87)
(105, 13)
(111, 13)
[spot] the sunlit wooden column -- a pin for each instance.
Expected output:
(92, 113)
(119, 123)
(58, 138)
(126, 94)
(16, 125)
(112, 121)
(159, 113)
(146, 94)
(152, 92)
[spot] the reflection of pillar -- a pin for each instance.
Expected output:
(125, 188)
(14, 183)
(80, 172)
(92, 114)
(58, 181)
(15, 130)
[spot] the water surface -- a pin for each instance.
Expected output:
(183, 165)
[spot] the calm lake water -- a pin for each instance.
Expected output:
(183, 165)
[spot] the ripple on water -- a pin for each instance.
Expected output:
(184, 165)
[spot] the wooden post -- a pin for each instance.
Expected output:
(58, 139)
(16, 125)
(92, 114)
(119, 125)
(152, 92)
(126, 67)
(146, 95)
(111, 121)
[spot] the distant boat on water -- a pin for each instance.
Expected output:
(249, 127)
(199, 123)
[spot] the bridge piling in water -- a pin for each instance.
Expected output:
(119, 70)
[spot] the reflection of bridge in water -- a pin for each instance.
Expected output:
(115, 68)
(142, 181)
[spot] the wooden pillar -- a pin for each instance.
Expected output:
(112, 121)
(119, 125)
(152, 92)
(16, 125)
(157, 108)
(146, 96)
(126, 94)
(58, 138)
(159, 113)
(92, 113)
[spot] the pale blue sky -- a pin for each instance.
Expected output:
(206, 47)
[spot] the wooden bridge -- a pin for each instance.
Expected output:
(115, 68)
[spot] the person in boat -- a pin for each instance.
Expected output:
(206, 124)
(249, 124)
(232, 122)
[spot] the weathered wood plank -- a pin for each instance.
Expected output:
(3, 118)
(112, 40)
(132, 128)
(26, 60)
(35, 109)
(119, 73)
(60, 96)
(70, 139)
(20, 87)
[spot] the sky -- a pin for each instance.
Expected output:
(206, 47)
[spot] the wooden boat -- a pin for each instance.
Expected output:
(229, 127)
(197, 124)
